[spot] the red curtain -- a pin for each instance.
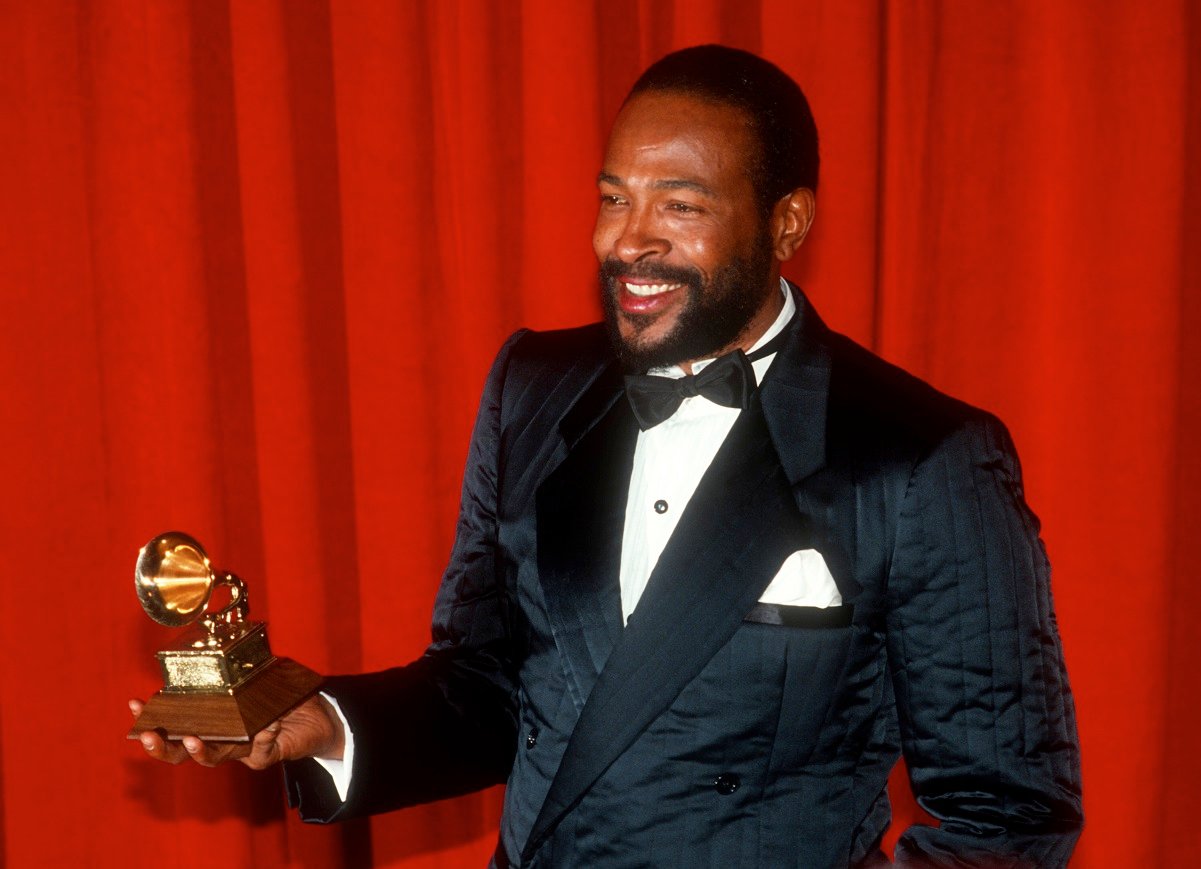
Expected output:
(255, 258)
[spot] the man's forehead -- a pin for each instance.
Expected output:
(682, 110)
(671, 124)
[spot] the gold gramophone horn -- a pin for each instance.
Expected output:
(174, 580)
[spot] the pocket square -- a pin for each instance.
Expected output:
(803, 580)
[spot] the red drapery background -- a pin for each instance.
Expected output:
(255, 258)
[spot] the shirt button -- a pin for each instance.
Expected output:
(660, 506)
(726, 783)
(531, 738)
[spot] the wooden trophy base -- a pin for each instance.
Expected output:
(233, 716)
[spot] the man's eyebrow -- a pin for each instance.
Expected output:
(665, 184)
(684, 184)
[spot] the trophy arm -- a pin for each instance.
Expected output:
(239, 603)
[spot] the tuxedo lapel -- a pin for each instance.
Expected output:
(580, 515)
(739, 526)
(796, 391)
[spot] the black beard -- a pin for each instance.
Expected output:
(712, 318)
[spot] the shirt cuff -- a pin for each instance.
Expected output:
(340, 770)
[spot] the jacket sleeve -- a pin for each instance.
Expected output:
(445, 724)
(987, 723)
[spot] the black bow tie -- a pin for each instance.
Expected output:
(728, 380)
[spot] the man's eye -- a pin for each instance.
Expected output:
(611, 199)
(683, 208)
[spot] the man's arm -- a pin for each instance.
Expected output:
(987, 722)
(441, 726)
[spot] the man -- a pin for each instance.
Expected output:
(691, 617)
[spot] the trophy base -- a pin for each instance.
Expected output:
(233, 716)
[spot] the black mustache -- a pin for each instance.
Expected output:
(611, 269)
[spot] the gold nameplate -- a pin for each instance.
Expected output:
(203, 662)
(220, 680)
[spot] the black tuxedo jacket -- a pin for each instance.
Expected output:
(711, 729)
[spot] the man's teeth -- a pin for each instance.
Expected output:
(650, 289)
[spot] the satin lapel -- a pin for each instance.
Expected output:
(581, 515)
(738, 528)
(796, 391)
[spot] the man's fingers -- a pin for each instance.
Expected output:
(264, 749)
(160, 749)
(211, 754)
(205, 754)
(153, 743)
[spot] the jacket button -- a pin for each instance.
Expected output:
(726, 783)
(531, 738)
(660, 506)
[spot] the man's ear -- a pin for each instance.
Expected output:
(790, 220)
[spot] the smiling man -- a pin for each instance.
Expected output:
(717, 567)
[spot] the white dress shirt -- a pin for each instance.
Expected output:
(669, 461)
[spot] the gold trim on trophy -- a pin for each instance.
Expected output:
(220, 680)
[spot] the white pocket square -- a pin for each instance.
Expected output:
(803, 580)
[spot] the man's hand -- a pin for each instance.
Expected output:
(312, 729)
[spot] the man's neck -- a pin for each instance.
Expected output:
(754, 331)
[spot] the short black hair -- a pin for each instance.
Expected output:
(775, 104)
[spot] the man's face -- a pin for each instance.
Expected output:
(687, 269)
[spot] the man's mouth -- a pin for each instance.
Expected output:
(647, 297)
(639, 292)
(644, 290)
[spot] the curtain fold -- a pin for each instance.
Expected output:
(255, 258)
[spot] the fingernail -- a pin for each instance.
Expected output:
(147, 743)
(191, 746)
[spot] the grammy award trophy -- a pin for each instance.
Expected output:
(221, 682)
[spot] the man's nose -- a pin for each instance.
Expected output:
(640, 237)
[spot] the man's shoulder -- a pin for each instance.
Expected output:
(551, 356)
(566, 347)
(879, 386)
(543, 372)
(867, 392)
(872, 399)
